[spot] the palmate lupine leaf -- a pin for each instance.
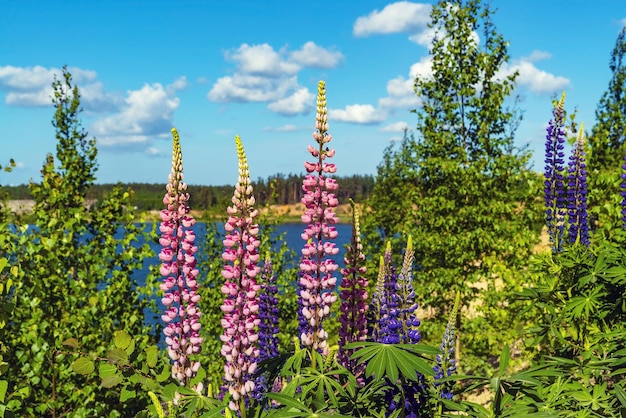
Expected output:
(391, 360)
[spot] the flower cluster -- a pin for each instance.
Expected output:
(554, 181)
(446, 364)
(317, 282)
(577, 193)
(241, 303)
(390, 325)
(178, 267)
(353, 297)
(410, 334)
(268, 313)
(623, 193)
(268, 325)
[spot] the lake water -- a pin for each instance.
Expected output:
(292, 238)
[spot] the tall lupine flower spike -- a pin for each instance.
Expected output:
(577, 192)
(390, 310)
(241, 303)
(353, 297)
(268, 312)
(178, 267)
(268, 326)
(317, 281)
(373, 313)
(553, 186)
(446, 365)
(410, 322)
(623, 193)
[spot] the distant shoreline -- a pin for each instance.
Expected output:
(288, 214)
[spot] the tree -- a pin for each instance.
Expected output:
(609, 133)
(78, 287)
(470, 207)
(606, 141)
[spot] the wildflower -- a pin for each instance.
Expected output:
(390, 325)
(577, 193)
(178, 267)
(353, 297)
(410, 334)
(623, 193)
(268, 313)
(446, 365)
(317, 281)
(553, 186)
(241, 303)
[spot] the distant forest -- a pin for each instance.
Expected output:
(278, 189)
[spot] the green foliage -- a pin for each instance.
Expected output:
(210, 263)
(81, 284)
(607, 135)
(461, 189)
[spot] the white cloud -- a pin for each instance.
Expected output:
(146, 113)
(301, 101)
(313, 56)
(358, 113)
(261, 60)
(250, 88)
(624, 22)
(395, 127)
(263, 74)
(402, 16)
(285, 128)
(424, 37)
(32, 86)
(532, 78)
(537, 55)
(400, 91)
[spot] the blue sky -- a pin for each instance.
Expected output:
(216, 69)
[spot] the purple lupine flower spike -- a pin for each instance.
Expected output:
(373, 312)
(268, 324)
(409, 319)
(268, 312)
(178, 267)
(554, 186)
(353, 297)
(241, 303)
(623, 193)
(446, 365)
(577, 193)
(317, 281)
(390, 327)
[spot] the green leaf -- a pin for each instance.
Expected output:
(118, 356)
(3, 390)
(122, 339)
(152, 355)
(288, 401)
(71, 343)
(111, 381)
(83, 365)
(106, 370)
(127, 394)
(505, 357)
